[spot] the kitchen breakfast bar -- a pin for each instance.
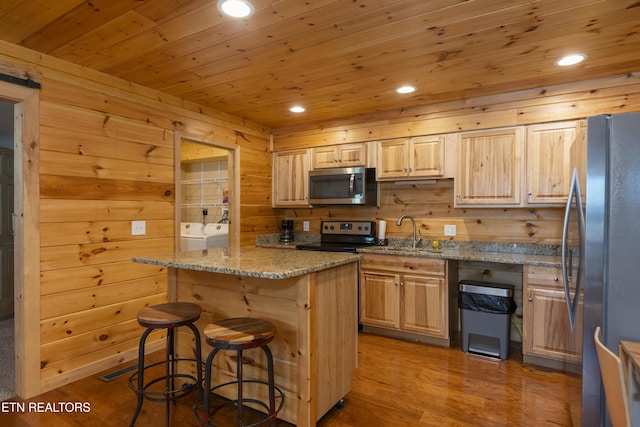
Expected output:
(310, 297)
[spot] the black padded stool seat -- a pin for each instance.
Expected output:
(167, 316)
(238, 334)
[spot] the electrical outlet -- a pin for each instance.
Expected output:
(138, 228)
(449, 230)
(305, 226)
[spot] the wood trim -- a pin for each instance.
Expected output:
(306, 415)
(20, 71)
(27, 236)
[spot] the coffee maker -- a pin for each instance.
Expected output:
(286, 231)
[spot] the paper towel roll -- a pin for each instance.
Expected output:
(382, 229)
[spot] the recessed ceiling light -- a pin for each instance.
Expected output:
(235, 8)
(297, 109)
(405, 89)
(571, 59)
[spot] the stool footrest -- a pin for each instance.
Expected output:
(164, 395)
(279, 395)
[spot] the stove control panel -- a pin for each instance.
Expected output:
(357, 228)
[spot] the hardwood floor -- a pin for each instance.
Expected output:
(397, 383)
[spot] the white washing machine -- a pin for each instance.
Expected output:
(196, 236)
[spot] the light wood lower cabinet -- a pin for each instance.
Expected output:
(423, 305)
(379, 299)
(408, 294)
(546, 331)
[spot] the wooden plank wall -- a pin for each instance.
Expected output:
(106, 159)
(432, 205)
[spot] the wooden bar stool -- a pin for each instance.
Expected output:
(241, 334)
(167, 316)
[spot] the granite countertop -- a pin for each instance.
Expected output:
(251, 261)
(506, 253)
(465, 254)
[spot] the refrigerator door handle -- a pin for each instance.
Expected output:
(572, 303)
(581, 239)
(570, 272)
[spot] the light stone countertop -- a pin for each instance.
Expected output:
(266, 263)
(506, 253)
(463, 254)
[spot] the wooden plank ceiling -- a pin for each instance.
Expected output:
(336, 58)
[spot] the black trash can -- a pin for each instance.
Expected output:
(485, 315)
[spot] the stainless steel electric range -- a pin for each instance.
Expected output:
(343, 236)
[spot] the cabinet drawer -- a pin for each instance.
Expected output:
(403, 264)
(549, 277)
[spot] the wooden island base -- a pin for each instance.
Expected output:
(315, 348)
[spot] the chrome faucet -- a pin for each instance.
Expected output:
(413, 221)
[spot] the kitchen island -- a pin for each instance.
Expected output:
(310, 297)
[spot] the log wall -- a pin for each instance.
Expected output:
(432, 205)
(106, 159)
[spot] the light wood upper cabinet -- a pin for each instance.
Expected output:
(333, 156)
(291, 178)
(489, 170)
(393, 158)
(553, 151)
(394, 296)
(426, 156)
(410, 158)
(545, 325)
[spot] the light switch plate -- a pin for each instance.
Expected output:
(305, 226)
(138, 228)
(449, 230)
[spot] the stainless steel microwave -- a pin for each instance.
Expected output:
(343, 186)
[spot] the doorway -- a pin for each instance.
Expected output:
(207, 191)
(204, 201)
(7, 329)
(24, 223)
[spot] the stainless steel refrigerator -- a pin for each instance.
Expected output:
(610, 251)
